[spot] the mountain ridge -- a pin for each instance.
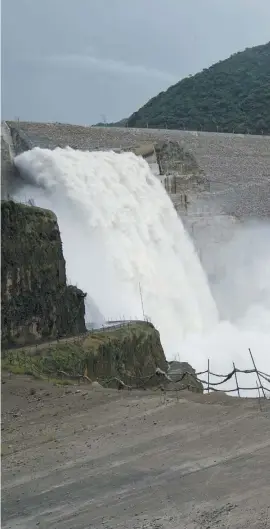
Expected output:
(232, 95)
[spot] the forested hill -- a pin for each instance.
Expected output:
(230, 96)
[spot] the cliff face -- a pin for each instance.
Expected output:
(130, 353)
(6, 168)
(9, 173)
(36, 302)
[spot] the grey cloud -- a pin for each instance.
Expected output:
(109, 65)
(73, 60)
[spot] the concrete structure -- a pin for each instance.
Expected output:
(236, 166)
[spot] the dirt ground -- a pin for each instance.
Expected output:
(79, 457)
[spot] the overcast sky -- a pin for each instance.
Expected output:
(83, 61)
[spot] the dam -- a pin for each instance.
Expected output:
(215, 180)
(237, 167)
(124, 231)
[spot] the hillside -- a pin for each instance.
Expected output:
(230, 96)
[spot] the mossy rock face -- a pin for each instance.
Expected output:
(130, 354)
(36, 302)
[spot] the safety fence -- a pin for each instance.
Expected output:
(261, 379)
(192, 381)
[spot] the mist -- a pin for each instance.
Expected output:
(238, 268)
(239, 272)
(119, 230)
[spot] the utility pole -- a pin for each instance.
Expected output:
(103, 117)
(142, 301)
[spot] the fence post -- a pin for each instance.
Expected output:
(142, 305)
(238, 390)
(260, 406)
(258, 376)
(208, 375)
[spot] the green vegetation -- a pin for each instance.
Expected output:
(128, 352)
(230, 96)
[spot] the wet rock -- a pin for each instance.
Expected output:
(177, 368)
(183, 375)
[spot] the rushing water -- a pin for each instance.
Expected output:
(122, 236)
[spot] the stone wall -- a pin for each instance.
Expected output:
(37, 304)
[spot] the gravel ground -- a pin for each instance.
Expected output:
(81, 457)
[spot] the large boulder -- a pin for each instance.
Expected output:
(183, 376)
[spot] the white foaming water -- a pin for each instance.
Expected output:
(121, 232)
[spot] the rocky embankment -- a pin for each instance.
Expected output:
(122, 357)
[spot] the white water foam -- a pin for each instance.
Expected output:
(121, 232)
